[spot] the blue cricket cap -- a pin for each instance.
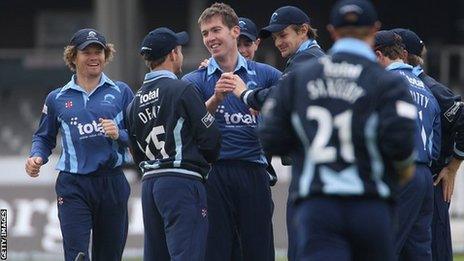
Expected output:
(87, 36)
(248, 28)
(411, 40)
(283, 17)
(353, 13)
(387, 38)
(161, 41)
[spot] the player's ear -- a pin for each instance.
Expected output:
(235, 30)
(257, 42)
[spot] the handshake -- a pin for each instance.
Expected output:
(229, 83)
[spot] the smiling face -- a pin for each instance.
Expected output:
(218, 38)
(288, 41)
(91, 61)
(246, 47)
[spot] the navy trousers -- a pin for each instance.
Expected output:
(240, 208)
(96, 202)
(175, 218)
(441, 230)
(336, 229)
(415, 210)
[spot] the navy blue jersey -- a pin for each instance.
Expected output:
(452, 121)
(307, 51)
(170, 129)
(75, 113)
(428, 121)
(346, 123)
(237, 125)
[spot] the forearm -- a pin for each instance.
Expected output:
(212, 104)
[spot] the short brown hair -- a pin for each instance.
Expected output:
(151, 64)
(70, 53)
(312, 32)
(227, 13)
(394, 51)
(416, 60)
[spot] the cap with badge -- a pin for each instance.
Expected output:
(387, 38)
(414, 45)
(353, 13)
(87, 36)
(248, 28)
(161, 41)
(283, 17)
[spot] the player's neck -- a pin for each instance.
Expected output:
(228, 62)
(88, 83)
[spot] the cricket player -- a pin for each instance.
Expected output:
(248, 41)
(452, 146)
(415, 201)
(238, 192)
(92, 191)
(295, 39)
(349, 126)
(173, 139)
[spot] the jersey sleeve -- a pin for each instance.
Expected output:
(127, 97)
(194, 79)
(452, 115)
(276, 132)
(436, 136)
(44, 139)
(205, 131)
(396, 128)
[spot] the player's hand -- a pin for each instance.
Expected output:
(110, 128)
(224, 86)
(447, 176)
(33, 165)
(204, 64)
(240, 86)
(253, 112)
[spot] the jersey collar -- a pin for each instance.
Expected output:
(213, 66)
(354, 46)
(103, 79)
(154, 75)
(399, 66)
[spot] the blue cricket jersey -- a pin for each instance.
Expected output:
(75, 113)
(237, 125)
(428, 120)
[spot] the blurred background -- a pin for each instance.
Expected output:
(32, 37)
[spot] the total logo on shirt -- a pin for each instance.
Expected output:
(238, 118)
(87, 129)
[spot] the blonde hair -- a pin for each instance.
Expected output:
(70, 53)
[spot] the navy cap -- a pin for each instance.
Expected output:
(248, 28)
(161, 41)
(411, 40)
(84, 37)
(387, 38)
(353, 13)
(283, 17)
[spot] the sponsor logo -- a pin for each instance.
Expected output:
(59, 200)
(238, 118)
(452, 111)
(204, 212)
(208, 120)
(150, 96)
(87, 128)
